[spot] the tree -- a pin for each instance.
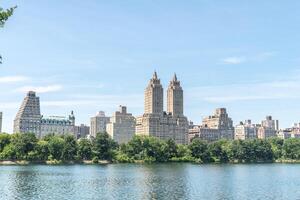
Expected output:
(4, 140)
(85, 149)
(291, 148)
(199, 150)
(56, 146)
(42, 150)
(4, 15)
(218, 150)
(70, 148)
(23, 143)
(103, 146)
(277, 144)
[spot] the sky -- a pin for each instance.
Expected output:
(95, 55)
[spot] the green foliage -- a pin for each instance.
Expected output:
(103, 146)
(199, 150)
(291, 148)
(4, 140)
(5, 14)
(69, 148)
(276, 144)
(219, 151)
(84, 149)
(8, 153)
(23, 143)
(123, 157)
(42, 150)
(56, 147)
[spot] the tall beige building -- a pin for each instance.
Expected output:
(121, 127)
(214, 127)
(28, 118)
(98, 123)
(245, 130)
(157, 123)
(154, 96)
(269, 128)
(1, 122)
(175, 98)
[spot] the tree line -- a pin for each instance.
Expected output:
(144, 149)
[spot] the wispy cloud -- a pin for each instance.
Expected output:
(9, 105)
(40, 89)
(13, 79)
(285, 89)
(234, 60)
(107, 101)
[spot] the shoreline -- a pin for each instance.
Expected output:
(106, 162)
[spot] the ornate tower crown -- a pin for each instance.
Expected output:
(154, 96)
(175, 97)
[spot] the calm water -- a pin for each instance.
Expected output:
(159, 181)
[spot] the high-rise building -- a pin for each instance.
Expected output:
(121, 127)
(270, 123)
(157, 123)
(175, 98)
(98, 123)
(269, 128)
(245, 130)
(214, 127)
(1, 115)
(154, 96)
(28, 118)
(82, 131)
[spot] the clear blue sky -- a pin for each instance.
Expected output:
(94, 55)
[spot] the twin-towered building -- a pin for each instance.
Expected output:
(122, 126)
(155, 122)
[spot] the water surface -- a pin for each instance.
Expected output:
(157, 181)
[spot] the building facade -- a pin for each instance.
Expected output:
(245, 130)
(214, 127)
(82, 131)
(268, 128)
(98, 123)
(157, 123)
(121, 127)
(1, 116)
(30, 120)
(58, 125)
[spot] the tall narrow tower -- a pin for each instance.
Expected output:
(154, 96)
(28, 118)
(175, 98)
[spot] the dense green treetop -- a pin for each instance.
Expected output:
(145, 149)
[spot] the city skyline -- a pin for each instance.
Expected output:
(223, 54)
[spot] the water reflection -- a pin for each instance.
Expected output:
(158, 181)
